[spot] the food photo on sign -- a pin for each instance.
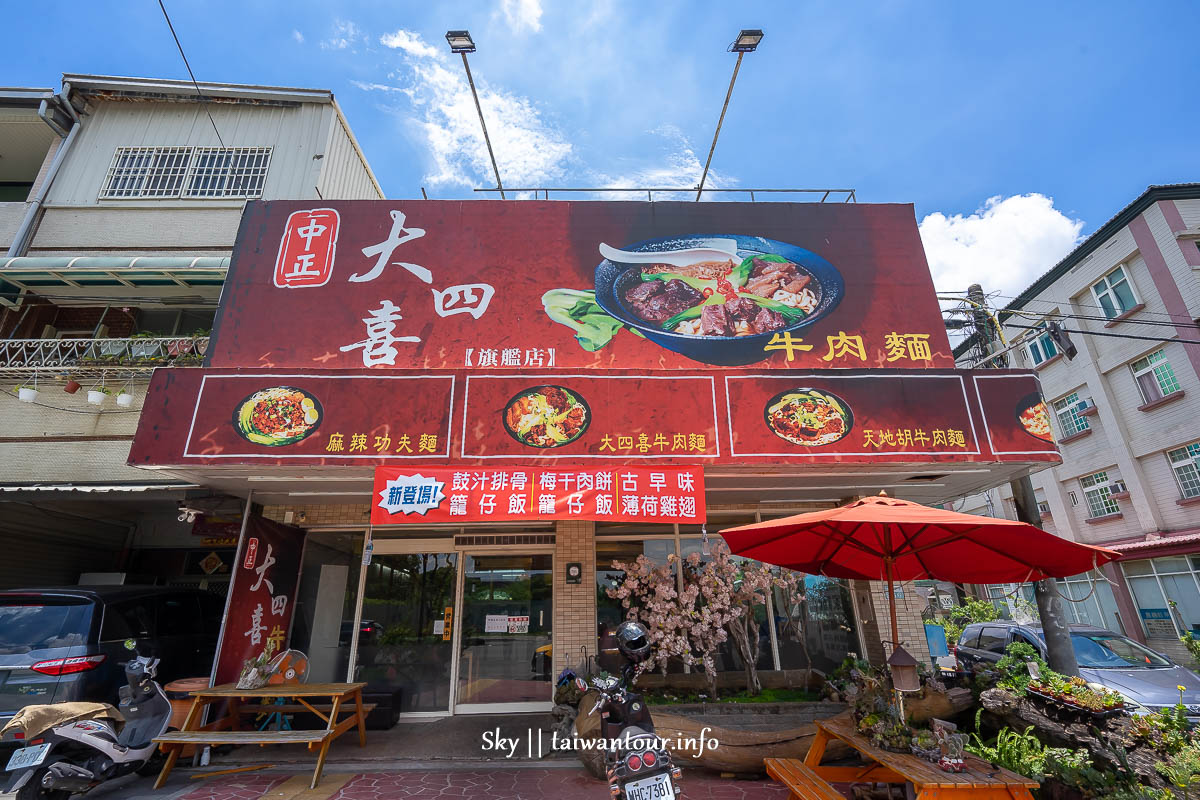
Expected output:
(578, 285)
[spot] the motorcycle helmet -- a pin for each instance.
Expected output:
(633, 640)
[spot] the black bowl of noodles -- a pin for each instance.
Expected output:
(546, 416)
(808, 417)
(1034, 416)
(278, 416)
(822, 289)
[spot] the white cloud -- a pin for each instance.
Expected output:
(522, 15)
(1004, 246)
(529, 150)
(298, 36)
(408, 42)
(344, 36)
(678, 164)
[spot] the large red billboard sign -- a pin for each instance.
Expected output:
(622, 494)
(597, 419)
(484, 286)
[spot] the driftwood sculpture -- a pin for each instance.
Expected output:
(691, 742)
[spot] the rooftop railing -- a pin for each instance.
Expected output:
(127, 356)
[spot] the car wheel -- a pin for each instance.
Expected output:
(33, 789)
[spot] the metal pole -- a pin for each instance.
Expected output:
(721, 119)
(482, 124)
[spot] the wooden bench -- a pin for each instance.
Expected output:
(296, 708)
(310, 738)
(801, 781)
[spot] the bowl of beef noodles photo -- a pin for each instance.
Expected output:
(723, 307)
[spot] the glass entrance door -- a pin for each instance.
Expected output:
(405, 637)
(505, 645)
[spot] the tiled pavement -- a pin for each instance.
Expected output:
(521, 783)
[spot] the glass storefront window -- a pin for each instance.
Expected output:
(609, 611)
(507, 618)
(1153, 582)
(818, 631)
(1089, 600)
(402, 641)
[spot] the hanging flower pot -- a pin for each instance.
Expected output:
(124, 399)
(27, 394)
(72, 387)
(96, 395)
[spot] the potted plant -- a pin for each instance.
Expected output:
(125, 398)
(96, 395)
(27, 394)
(72, 386)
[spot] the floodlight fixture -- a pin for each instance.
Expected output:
(747, 41)
(461, 41)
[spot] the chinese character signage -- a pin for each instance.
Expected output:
(620, 494)
(602, 419)
(482, 285)
(261, 595)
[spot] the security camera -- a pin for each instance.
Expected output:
(187, 514)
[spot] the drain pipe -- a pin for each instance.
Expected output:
(24, 234)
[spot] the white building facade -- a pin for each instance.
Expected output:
(1125, 412)
(120, 201)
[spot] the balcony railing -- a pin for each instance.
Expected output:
(85, 356)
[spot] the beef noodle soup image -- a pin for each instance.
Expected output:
(717, 310)
(546, 416)
(761, 294)
(808, 417)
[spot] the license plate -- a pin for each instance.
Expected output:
(656, 787)
(29, 757)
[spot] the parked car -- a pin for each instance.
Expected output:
(66, 644)
(1147, 679)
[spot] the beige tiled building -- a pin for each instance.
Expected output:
(1124, 411)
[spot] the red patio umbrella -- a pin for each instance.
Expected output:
(884, 538)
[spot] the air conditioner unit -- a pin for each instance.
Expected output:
(1085, 405)
(1118, 487)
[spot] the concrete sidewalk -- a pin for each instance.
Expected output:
(564, 781)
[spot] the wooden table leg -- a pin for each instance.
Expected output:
(816, 751)
(235, 708)
(173, 756)
(362, 718)
(333, 714)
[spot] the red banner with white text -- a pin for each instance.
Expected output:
(506, 494)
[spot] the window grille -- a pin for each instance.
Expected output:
(191, 172)
(1155, 377)
(1185, 463)
(1098, 495)
(1067, 412)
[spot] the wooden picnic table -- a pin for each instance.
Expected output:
(810, 780)
(341, 698)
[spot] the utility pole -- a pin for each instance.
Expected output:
(1060, 652)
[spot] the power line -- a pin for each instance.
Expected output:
(1053, 302)
(1111, 335)
(199, 94)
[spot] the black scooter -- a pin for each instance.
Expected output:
(637, 762)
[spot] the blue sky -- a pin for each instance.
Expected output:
(1013, 128)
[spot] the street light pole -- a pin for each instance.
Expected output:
(720, 119)
(462, 43)
(746, 42)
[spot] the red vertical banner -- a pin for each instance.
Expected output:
(261, 595)
(307, 249)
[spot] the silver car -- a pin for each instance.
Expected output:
(1148, 680)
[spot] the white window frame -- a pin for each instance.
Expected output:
(1181, 459)
(1105, 288)
(1065, 407)
(1165, 380)
(1098, 495)
(1041, 348)
(172, 173)
(1158, 576)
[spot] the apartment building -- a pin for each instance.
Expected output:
(120, 202)
(1124, 411)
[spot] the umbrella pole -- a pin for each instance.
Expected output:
(891, 588)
